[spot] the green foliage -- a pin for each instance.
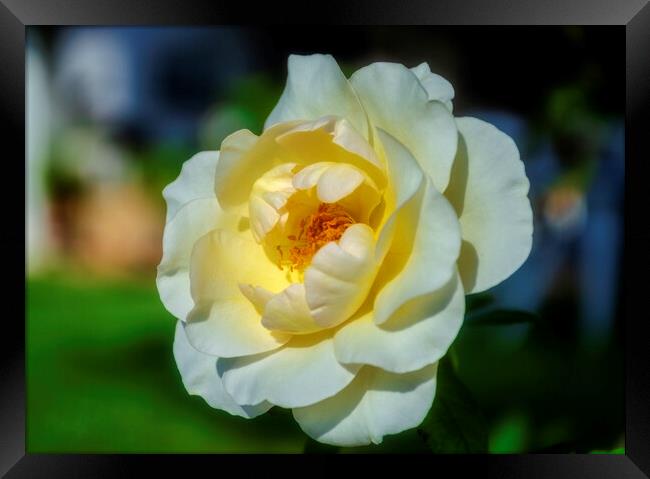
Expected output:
(255, 97)
(546, 390)
(509, 435)
(455, 423)
(500, 317)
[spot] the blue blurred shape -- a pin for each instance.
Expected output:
(586, 238)
(155, 82)
(601, 243)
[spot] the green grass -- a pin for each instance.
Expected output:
(101, 378)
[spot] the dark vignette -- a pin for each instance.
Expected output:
(12, 239)
(637, 432)
(13, 19)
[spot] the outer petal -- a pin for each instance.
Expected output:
(224, 322)
(192, 211)
(489, 191)
(302, 372)
(376, 403)
(316, 87)
(196, 180)
(395, 101)
(200, 378)
(436, 86)
(425, 244)
(340, 276)
(419, 333)
(190, 223)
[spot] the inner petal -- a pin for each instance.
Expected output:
(341, 183)
(269, 195)
(296, 211)
(306, 214)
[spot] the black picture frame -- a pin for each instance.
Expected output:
(632, 15)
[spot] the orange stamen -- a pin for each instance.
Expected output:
(327, 224)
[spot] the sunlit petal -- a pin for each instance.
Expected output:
(437, 87)
(316, 87)
(489, 191)
(224, 322)
(375, 404)
(302, 372)
(200, 378)
(340, 276)
(396, 102)
(418, 333)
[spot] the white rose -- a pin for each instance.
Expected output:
(322, 266)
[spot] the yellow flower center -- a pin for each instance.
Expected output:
(327, 223)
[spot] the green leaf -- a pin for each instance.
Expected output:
(455, 424)
(509, 434)
(500, 317)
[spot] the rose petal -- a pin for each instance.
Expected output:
(200, 378)
(224, 322)
(395, 101)
(406, 177)
(244, 158)
(288, 312)
(437, 87)
(338, 182)
(489, 191)
(340, 276)
(333, 181)
(268, 196)
(302, 372)
(341, 183)
(423, 254)
(418, 333)
(332, 140)
(375, 404)
(173, 280)
(195, 181)
(257, 295)
(421, 240)
(316, 87)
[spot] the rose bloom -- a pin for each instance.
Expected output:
(323, 265)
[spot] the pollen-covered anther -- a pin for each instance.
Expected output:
(326, 224)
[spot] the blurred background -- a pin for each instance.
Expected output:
(112, 113)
